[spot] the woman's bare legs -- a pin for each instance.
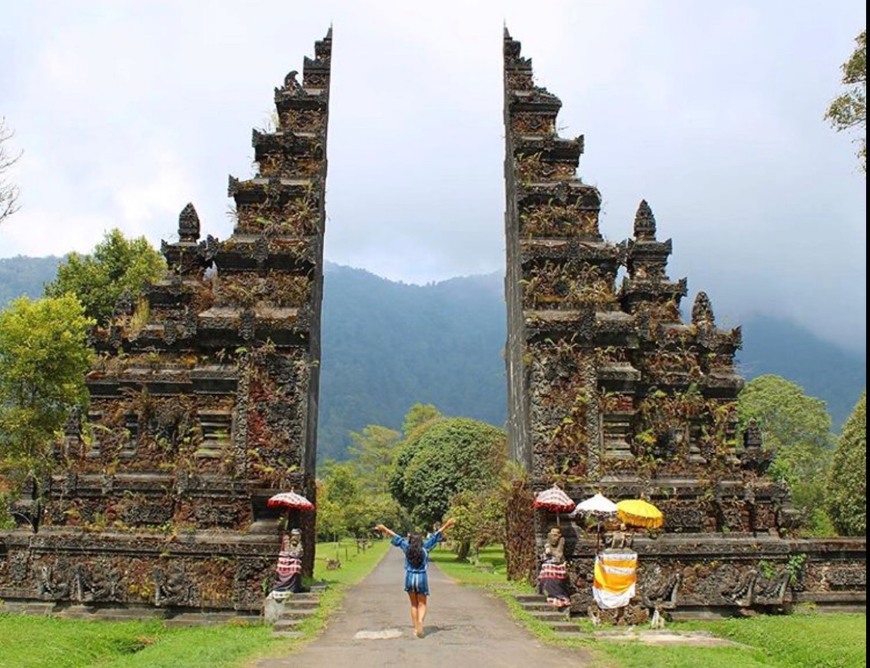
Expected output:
(421, 612)
(415, 612)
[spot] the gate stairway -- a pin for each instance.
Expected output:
(293, 610)
(559, 620)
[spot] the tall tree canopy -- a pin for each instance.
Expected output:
(373, 456)
(354, 496)
(798, 429)
(849, 109)
(43, 360)
(442, 458)
(847, 485)
(417, 415)
(117, 265)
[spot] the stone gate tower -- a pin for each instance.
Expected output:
(609, 390)
(203, 401)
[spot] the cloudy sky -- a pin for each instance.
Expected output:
(712, 111)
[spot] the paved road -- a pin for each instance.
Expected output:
(467, 625)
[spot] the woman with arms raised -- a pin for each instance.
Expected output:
(416, 568)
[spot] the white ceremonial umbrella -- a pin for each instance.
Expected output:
(599, 506)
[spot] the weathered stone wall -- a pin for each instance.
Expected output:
(104, 569)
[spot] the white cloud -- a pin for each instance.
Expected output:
(712, 112)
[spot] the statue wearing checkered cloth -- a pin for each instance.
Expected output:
(288, 572)
(553, 576)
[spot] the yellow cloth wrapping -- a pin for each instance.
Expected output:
(615, 578)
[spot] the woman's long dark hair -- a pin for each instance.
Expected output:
(415, 553)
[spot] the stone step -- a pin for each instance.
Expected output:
(566, 627)
(840, 609)
(286, 634)
(37, 608)
(297, 614)
(532, 606)
(108, 613)
(286, 624)
(550, 616)
(830, 597)
(78, 612)
(305, 596)
(301, 604)
(294, 606)
(118, 615)
(569, 634)
(531, 598)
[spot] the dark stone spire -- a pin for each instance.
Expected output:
(188, 224)
(290, 83)
(644, 222)
(702, 310)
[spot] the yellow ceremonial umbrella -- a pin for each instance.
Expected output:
(639, 513)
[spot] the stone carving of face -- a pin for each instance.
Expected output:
(554, 536)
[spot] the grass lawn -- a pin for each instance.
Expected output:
(778, 641)
(36, 642)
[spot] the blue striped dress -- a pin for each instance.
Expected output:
(417, 579)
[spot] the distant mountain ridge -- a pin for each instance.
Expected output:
(23, 276)
(823, 369)
(387, 345)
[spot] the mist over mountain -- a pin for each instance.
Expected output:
(825, 370)
(388, 345)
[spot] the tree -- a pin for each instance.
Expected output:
(354, 494)
(43, 360)
(448, 456)
(480, 519)
(8, 191)
(337, 498)
(849, 110)
(117, 265)
(797, 428)
(373, 454)
(417, 415)
(847, 484)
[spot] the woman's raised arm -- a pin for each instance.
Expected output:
(386, 530)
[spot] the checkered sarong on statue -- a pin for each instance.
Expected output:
(553, 583)
(288, 564)
(553, 571)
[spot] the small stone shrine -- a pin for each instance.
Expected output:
(203, 402)
(609, 390)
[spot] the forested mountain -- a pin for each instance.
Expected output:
(824, 370)
(25, 276)
(388, 345)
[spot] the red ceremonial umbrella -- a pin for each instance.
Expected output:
(554, 500)
(290, 501)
